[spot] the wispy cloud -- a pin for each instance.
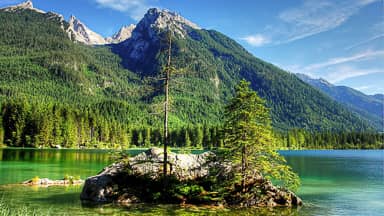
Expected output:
(311, 18)
(369, 40)
(345, 59)
(370, 89)
(376, 32)
(341, 68)
(256, 40)
(346, 72)
(314, 17)
(365, 87)
(135, 8)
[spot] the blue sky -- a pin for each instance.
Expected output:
(339, 40)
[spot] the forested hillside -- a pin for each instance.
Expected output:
(52, 88)
(54, 91)
(211, 64)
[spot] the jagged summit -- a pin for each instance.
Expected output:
(81, 33)
(148, 31)
(164, 18)
(123, 34)
(160, 19)
(27, 5)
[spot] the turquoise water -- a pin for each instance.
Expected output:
(340, 182)
(333, 183)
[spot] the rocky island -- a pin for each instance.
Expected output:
(193, 179)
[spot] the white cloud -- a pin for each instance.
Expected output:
(256, 40)
(346, 72)
(135, 8)
(345, 59)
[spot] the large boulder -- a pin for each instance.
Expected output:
(127, 181)
(104, 186)
(184, 166)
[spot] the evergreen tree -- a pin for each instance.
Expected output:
(1, 131)
(140, 139)
(187, 139)
(249, 139)
(147, 140)
(199, 135)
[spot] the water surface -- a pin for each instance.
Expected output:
(333, 183)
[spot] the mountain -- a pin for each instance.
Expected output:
(123, 34)
(83, 34)
(213, 64)
(379, 97)
(28, 5)
(118, 85)
(369, 107)
(40, 62)
(78, 31)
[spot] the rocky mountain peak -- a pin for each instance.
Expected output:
(162, 19)
(27, 5)
(309, 79)
(123, 34)
(81, 33)
(150, 29)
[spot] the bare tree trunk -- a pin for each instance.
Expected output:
(243, 167)
(166, 105)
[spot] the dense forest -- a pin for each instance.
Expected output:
(54, 91)
(25, 124)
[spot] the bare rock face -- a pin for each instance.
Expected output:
(156, 19)
(184, 166)
(123, 34)
(100, 188)
(27, 5)
(81, 33)
(146, 33)
(126, 182)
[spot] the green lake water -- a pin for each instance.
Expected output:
(333, 183)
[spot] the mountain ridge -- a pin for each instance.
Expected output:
(123, 34)
(77, 30)
(27, 5)
(213, 63)
(369, 106)
(225, 63)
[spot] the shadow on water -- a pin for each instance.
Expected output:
(58, 199)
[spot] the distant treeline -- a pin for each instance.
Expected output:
(302, 139)
(23, 124)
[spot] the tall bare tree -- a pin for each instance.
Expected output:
(166, 102)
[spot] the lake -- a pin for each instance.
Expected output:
(345, 182)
